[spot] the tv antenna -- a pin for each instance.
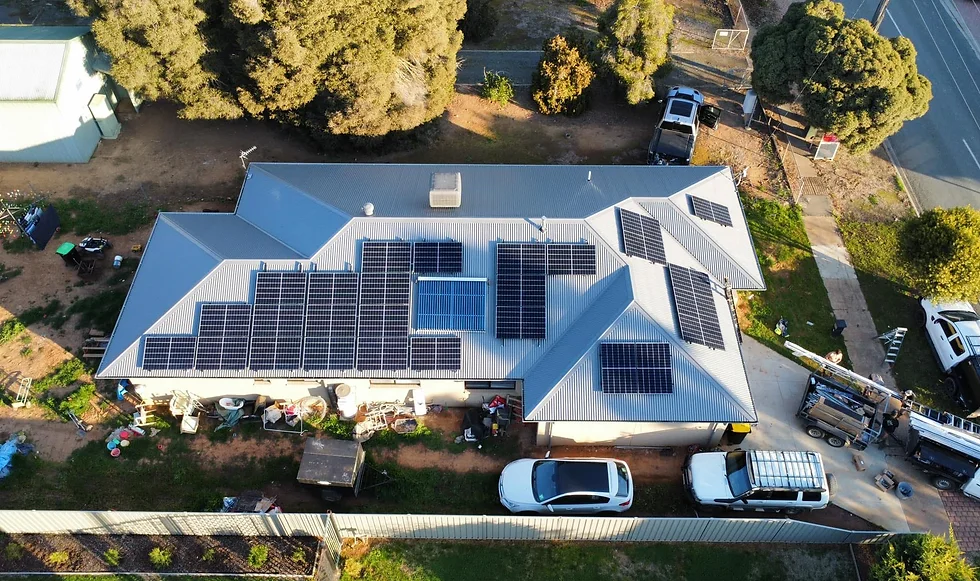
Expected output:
(244, 155)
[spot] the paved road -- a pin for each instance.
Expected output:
(518, 65)
(939, 152)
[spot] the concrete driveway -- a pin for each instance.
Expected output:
(777, 387)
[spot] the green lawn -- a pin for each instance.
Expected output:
(875, 254)
(450, 561)
(794, 291)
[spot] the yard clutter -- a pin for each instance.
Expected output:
(15, 445)
(293, 416)
(250, 501)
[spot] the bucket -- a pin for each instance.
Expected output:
(124, 435)
(904, 490)
(346, 401)
(115, 452)
(117, 261)
(111, 445)
(124, 443)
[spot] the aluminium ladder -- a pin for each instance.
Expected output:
(945, 418)
(893, 343)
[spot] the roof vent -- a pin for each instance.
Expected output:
(369, 209)
(446, 190)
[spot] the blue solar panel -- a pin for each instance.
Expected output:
(642, 236)
(571, 259)
(386, 257)
(636, 368)
(452, 304)
(708, 210)
(277, 337)
(331, 320)
(436, 353)
(437, 257)
(223, 334)
(383, 321)
(522, 259)
(695, 305)
(168, 352)
(280, 288)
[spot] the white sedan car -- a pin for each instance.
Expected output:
(566, 486)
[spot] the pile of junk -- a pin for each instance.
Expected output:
(489, 420)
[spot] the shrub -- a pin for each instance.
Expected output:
(257, 556)
(480, 21)
(79, 401)
(942, 248)
(208, 555)
(13, 552)
(10, 330)
(335, 427)
(161, 558)
(562, 78)
(922, 558)
(496, 88)
(59, 558)
(112, 557)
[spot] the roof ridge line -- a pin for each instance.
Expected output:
(292, 185)
(667, 201)
(200, 244)
(673, 341)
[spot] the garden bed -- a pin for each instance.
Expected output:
(131, 553)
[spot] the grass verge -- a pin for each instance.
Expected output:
(445, 561)
(87, 216)
(874, 251)
(794, 291)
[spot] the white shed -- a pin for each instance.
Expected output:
(54, 106)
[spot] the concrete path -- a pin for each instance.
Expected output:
(865, 350)
(777, 385)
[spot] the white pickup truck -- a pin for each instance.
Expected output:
(953, 330)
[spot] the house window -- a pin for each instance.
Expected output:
(496, 385)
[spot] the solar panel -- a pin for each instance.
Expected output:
(436, 353)
(437, 257)
(168, 352)
(642, 236)
(522, 259)
(708, 210)
(695, 304)
(571, 259)
(223, 334)
(277, 337)
(280, 288)
(521, 307)
(636, 368)
(386, 257)
(331, 320)
(383, 313)
(456, 304)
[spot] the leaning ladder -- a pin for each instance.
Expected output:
(730, 297)
(893, 343)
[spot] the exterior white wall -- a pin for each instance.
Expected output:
(62, 131)
(628, 433)
(443, 392)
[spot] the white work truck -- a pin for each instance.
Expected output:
(949, 454)
(953, 330)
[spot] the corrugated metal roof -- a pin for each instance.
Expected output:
(33, 60)
(229, 236)
(489, 191)
(627, 298)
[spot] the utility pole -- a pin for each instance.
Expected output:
(880, 14)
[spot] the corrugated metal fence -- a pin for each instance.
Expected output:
(334, 527)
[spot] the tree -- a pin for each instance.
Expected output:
(922, 558)
(480, 21)
(942, 248)
(331, 67)
(562, 79)
(852, 82)
(634, 43)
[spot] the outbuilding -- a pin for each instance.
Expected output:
(54, 105)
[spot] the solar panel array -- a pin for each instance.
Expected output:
(168, 352)
(451, 304)
(571, 259)
(386, 257)
(522, 259)
(521, 307)
(223, 334)
(437, 257)
(708, 210)
(436, 353)
(636, 368)
(277, 320)
(642, 236)
(383, 317)
(695, 305)
(331, 320)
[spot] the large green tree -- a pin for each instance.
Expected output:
(851, 81)
(942, 248)
(922, 558)
(332, 67)
(634, 43)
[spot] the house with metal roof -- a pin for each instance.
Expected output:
(601, 295)
(55, 106)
